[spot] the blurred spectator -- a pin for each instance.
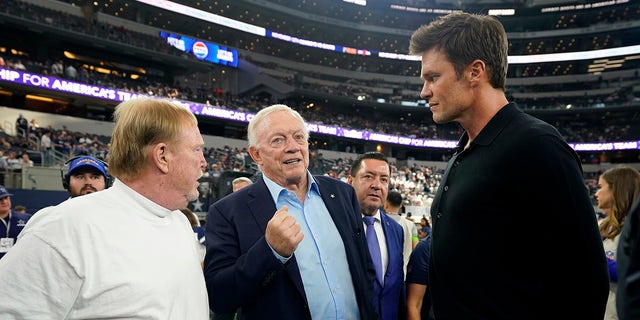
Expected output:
(392, 208)
(18, 65)
(34, 126)
(46, 147)
(13, 161)
(4, 166)
(425, 228)
(22, 126)
(71, 72)
(239, 183)
(12, 222)
(215, 170)
(25, 161)
(57, 69)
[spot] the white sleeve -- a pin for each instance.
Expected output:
(36, 282)
(34, 220)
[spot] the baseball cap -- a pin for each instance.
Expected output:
(4, 192)
(86, 161)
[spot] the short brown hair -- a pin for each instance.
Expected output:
(463, 38)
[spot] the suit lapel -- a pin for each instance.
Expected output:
(261, 209)
(335, 202)
(392, 244)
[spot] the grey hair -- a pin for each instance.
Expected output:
(241, 179)
(262, 114)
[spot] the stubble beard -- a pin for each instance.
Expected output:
(193, 195)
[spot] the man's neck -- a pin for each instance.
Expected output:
(4, 214)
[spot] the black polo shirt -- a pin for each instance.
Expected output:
(514, 232)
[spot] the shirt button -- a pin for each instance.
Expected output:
(439, 215)
(446, 188)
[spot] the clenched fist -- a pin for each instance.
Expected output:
(283, 233)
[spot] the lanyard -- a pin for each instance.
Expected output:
(8, 226)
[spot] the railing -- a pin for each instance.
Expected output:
(11, 179)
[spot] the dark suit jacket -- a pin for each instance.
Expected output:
(242, 272)
(628, 259)
(390, 300)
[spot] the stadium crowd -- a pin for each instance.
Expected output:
(614, 92)
(580, 130)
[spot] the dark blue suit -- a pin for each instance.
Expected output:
(390, 300)
(242, 272)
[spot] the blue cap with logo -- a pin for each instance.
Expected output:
(4, 192)
(87, 161)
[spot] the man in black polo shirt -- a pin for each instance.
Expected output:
(491, 257)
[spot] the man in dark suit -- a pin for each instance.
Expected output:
(291, 245)
(370, 176)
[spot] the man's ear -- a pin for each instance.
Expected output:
(161, 156)
(476, 68)
(350, 180)
(255, 155)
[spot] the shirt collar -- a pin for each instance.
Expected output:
(493, 127)
(275, 189)
(377, 216)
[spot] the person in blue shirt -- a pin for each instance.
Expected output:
(12, 222)
(290, 246)
(417, 282)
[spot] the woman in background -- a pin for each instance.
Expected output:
(425, 228)
(618, 187)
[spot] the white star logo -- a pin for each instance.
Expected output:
(197, 205)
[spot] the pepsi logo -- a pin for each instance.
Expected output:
(200, 50)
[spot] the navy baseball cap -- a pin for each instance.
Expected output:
(4, 193)
(86, 161)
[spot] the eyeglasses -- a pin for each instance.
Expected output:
(281, 141)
